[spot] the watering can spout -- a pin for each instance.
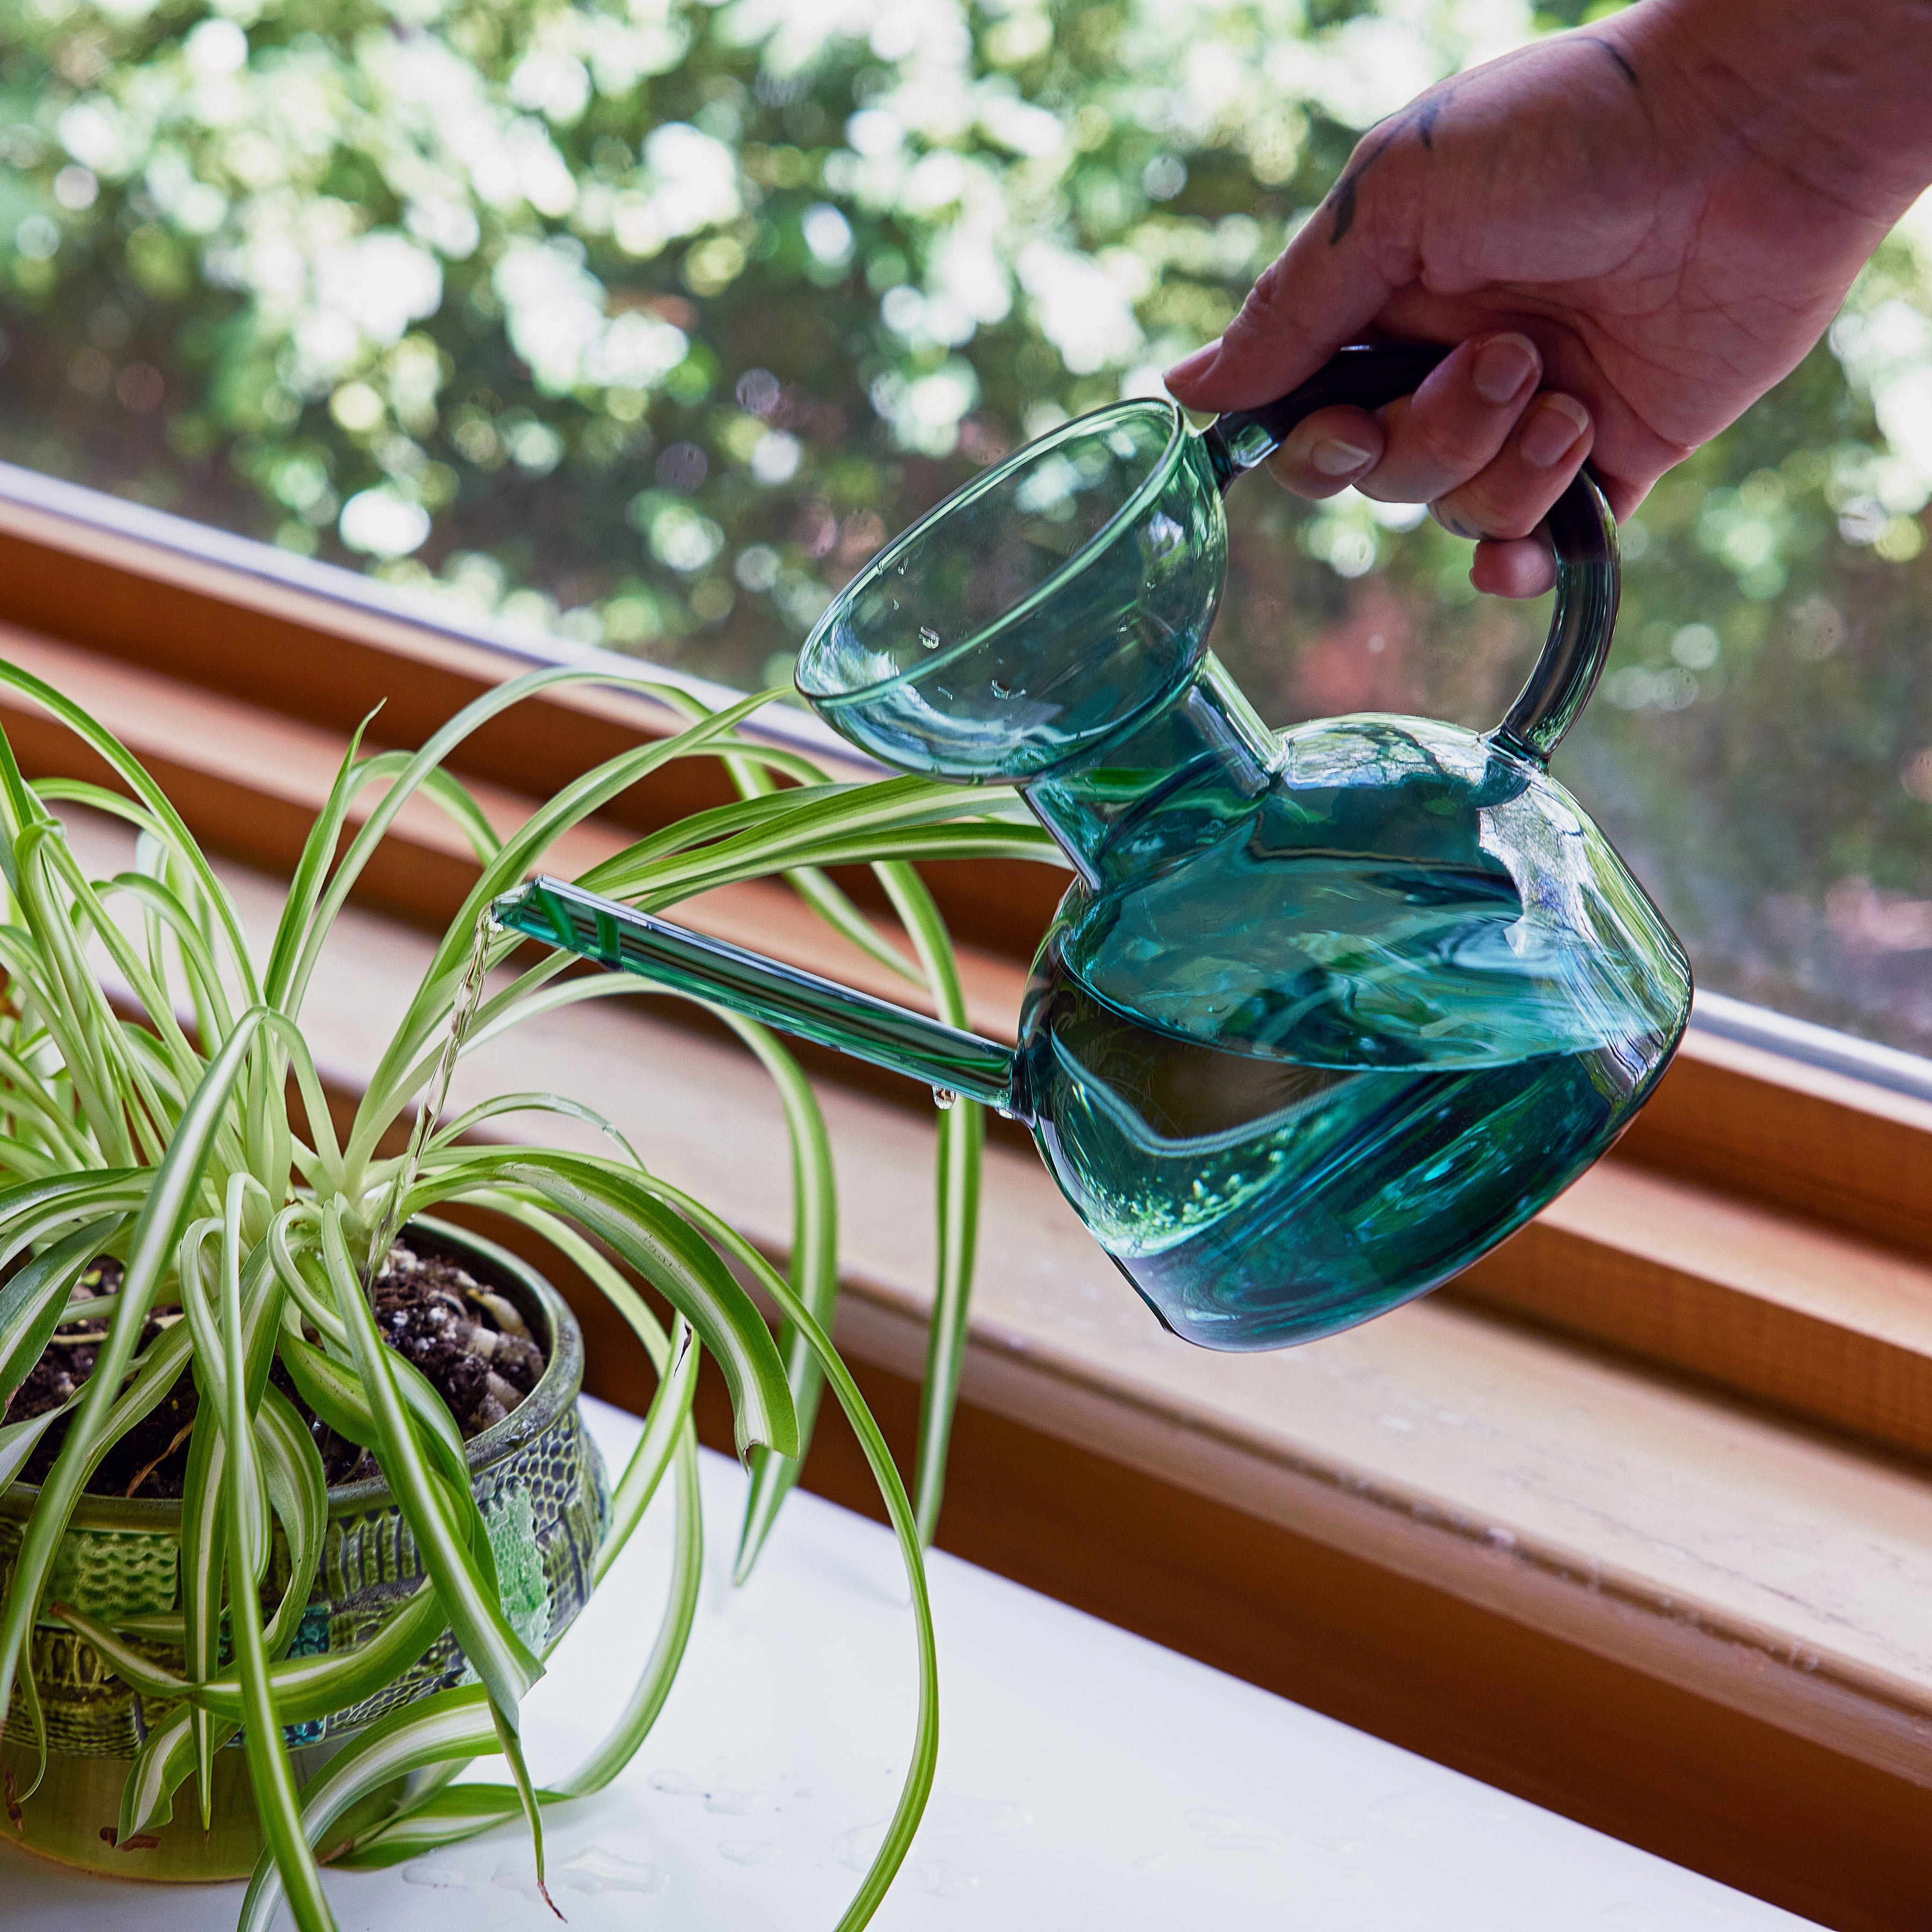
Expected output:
(946, 1059)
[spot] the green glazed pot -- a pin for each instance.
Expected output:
(540, 1484)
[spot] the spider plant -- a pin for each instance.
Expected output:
(185, 1132)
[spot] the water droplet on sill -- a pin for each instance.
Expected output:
(928, 637)
(944, 1881)
(855, 1849)
(747, 1851)
(594, 1869)
(1212, 1821)
(437, 1878)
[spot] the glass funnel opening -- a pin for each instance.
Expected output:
(1051, 601)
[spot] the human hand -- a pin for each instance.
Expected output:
(1632, 231)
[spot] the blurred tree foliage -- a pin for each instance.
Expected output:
(645, 322)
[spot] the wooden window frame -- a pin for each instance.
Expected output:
(1760, 1242)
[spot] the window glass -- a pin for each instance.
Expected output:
(646, 322)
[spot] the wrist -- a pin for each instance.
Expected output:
(1831, 100)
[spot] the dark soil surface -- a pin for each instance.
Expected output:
(464, 1335)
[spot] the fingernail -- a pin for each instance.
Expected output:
(1502, 367)
(1334, 457)
(1199, 363)
(1552, 430)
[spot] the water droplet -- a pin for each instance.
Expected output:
(999, 689)
(1228, 1831)
(731, 1804)
(854, 1849)
(1408, 1814)
(438, 1878)
(971, 1817)
(594, 1869)
(675, 1784)
(1214, 1822)
(945, 1881)
(928, 637)
(942, 1098)
(747, 1851)
(1004, 1113)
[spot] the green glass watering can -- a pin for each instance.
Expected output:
(1326, 1013)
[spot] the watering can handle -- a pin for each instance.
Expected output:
(1582, 532)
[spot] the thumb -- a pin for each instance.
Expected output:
(1323, 291)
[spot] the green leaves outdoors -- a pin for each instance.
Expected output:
(185, 1135)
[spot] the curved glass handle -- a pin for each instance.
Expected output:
(1582, 532)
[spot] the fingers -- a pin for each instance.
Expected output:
(1477, 443)
(1509, 497)
(1515, 493)
(1456, 424)
(1515, 567)
(1328, 451)
(1475, 440)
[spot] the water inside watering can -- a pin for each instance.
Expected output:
(1358, 1072)
(1254, 1201)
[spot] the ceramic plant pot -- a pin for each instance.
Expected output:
(541, 1485)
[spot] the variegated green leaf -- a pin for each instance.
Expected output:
(961, 1144)
(170, 1196)
(298, 1490)
(164, 1763)
(454, 1811)
(447, 1724)
(607, 1201)
(815, 1274)
(166, 821)
(493, 1650)
(17, 1439)
(32, 1303)
(271, 1775)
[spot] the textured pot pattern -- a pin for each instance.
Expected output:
(538, 1479)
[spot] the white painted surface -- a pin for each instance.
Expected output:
(1087, 1779)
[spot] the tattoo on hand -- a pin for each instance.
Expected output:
(1423, 115)
(1343, 194)
(1629, 72)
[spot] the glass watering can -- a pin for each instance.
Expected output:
(1326, 1014)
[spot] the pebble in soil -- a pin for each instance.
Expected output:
(468, 1339)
